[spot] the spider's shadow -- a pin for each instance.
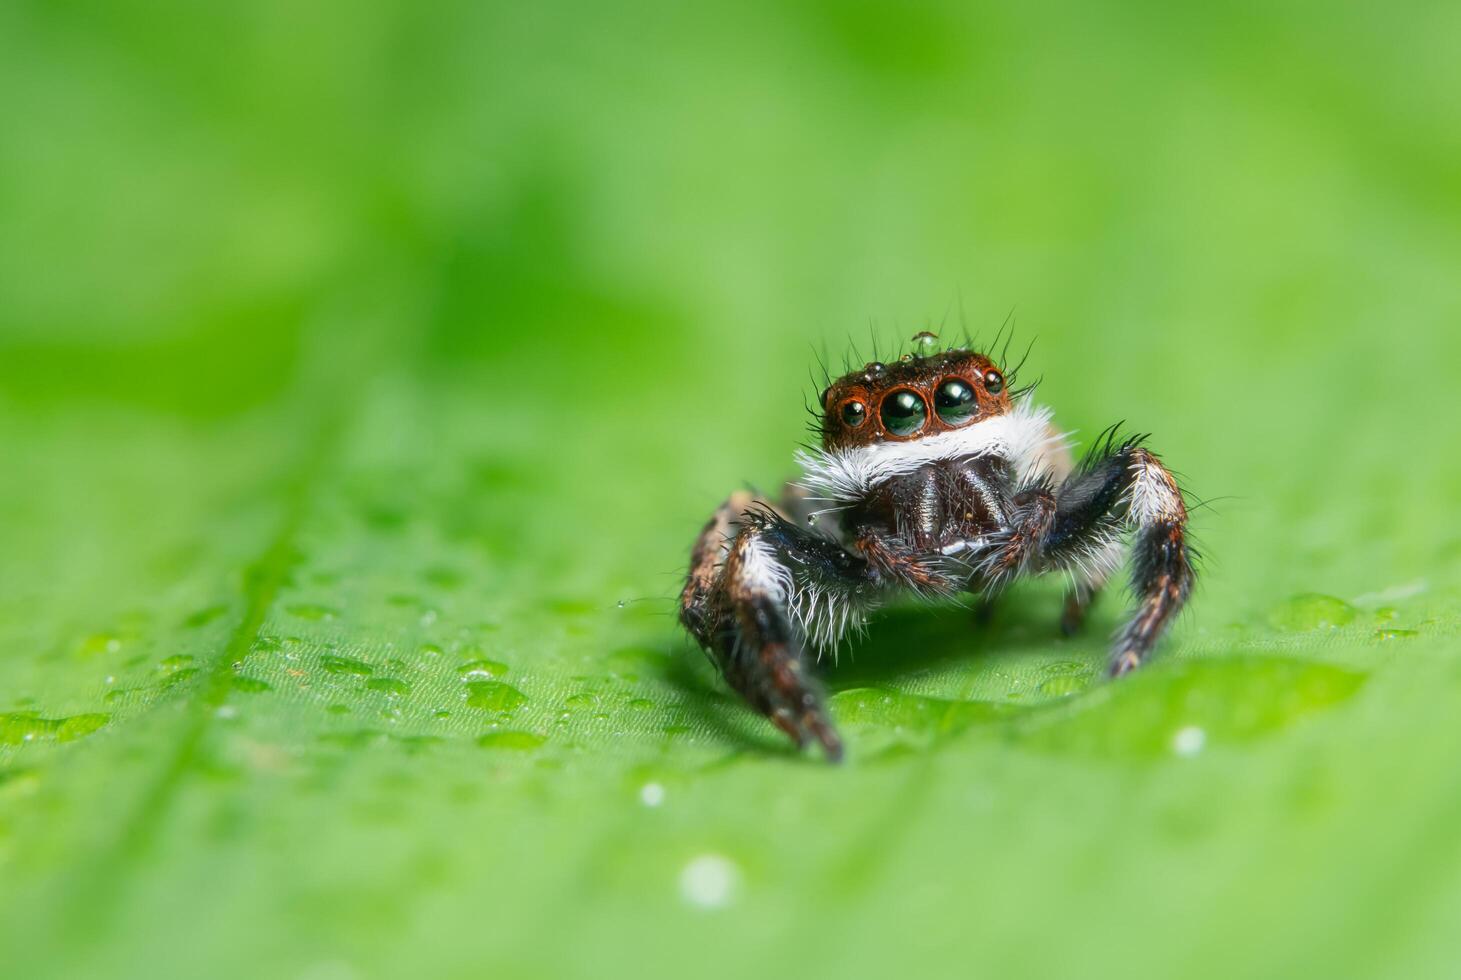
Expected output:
(905, 641)
(900, 642)
(915, 639)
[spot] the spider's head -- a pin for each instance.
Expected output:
(912, 398)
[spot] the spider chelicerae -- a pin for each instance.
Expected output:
(937, 477)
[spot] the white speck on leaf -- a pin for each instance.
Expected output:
(709, 881)
(1189, 741)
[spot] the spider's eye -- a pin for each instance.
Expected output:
(993, 381)
(903, 413)
(854, 414)
(955, 402)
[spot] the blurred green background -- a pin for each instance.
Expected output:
(366, 371)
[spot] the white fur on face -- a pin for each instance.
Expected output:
(1023, 436)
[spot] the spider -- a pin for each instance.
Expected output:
(934, 477)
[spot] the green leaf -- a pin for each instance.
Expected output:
(367, 371)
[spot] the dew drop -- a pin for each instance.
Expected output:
(651, 794)
(494, 696)
(99, 643)
(345, 665)
(709, 881)
(1311, 611)
(1188, 741)
(519, 741)
(1064, 685)
(179, 676)
(26, 726)
(481, 669)
(389, 685)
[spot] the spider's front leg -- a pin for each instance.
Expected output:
(757, 585)
(1077, 527)
(1126, 487)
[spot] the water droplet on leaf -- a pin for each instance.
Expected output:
(709, 881)
(1188, 741)
(389, 685)
(346, 665)
(1311, 611)
(1064, 685)
(520, 741)
(27, 726)
(482, 669)
(494, 696)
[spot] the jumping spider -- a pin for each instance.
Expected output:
(933, 477)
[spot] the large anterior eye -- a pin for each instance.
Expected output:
(955, 402)
(854, 414)
(903, 413)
